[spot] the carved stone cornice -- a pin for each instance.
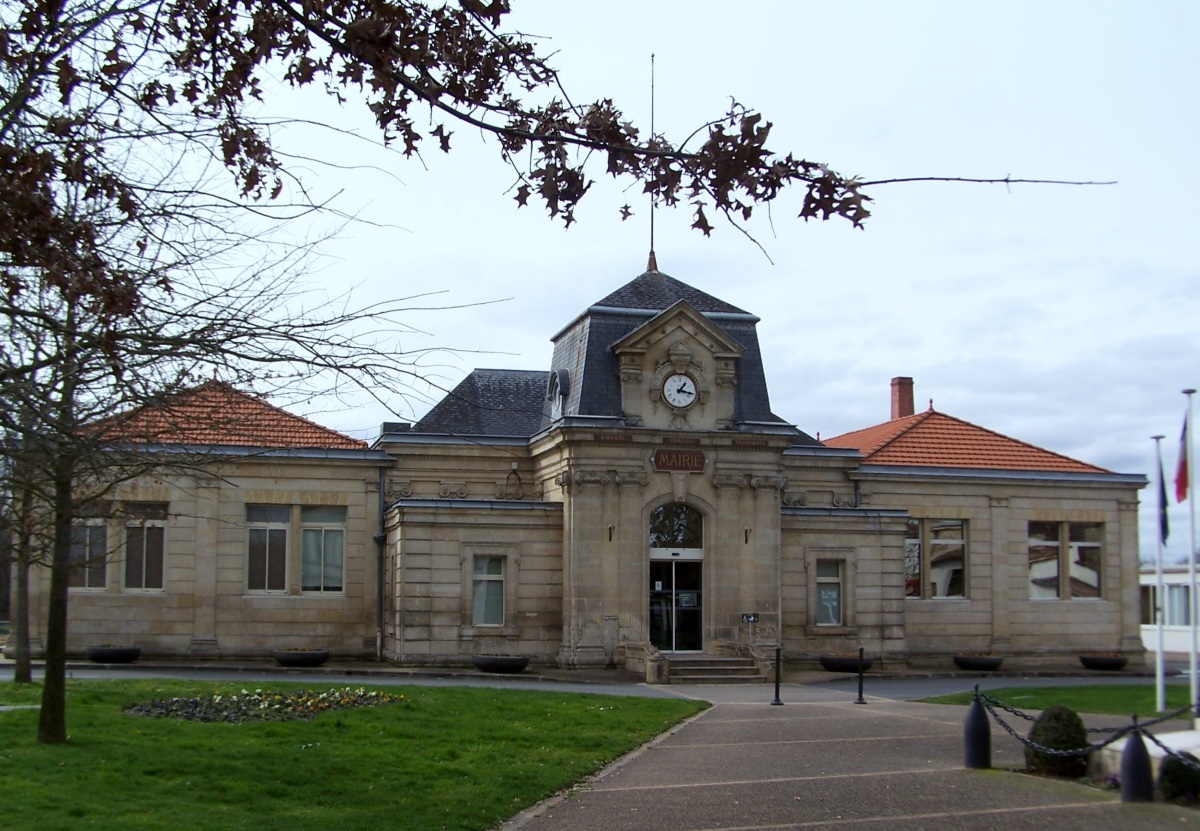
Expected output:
(632, 477)
(452, 490)
(730, 480)
(794, 499)
(511, 487)
(769, 481)
(398, 490)
(726, 374)
(591, 477)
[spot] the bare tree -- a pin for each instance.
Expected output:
(117, 235)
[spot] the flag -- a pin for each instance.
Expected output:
(1181, 473)
(1164, 526)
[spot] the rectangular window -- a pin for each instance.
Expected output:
(943, 572)
(145, 529)
(1043, 560)
(268, 543)
(322, 539)
(1178, 608)
(487, 591)
(1149, 606)
(912, 559)
(89, 555)
(1083, 540)
(829, 593)
(1070, 548)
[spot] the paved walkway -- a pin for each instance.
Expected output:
(819, 761)
(823, 761)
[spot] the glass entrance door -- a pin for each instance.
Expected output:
(676, 605)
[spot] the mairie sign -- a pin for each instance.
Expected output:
(676, 460)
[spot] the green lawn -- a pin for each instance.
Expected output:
(1114, 699)
(441, 758)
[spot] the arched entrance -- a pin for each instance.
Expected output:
(677, 578)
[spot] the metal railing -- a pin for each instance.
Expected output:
(1136, 778)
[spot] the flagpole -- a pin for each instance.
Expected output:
(1160, 681)
(1192, 605)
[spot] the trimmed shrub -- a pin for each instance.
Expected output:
(1177, 780)
(1057, 728)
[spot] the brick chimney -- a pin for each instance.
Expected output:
(902, 397)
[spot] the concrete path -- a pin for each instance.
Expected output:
(823, 761)
(819, 761)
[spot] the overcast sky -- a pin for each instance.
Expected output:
(1063, 316)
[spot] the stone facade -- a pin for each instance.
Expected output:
(641, 499)
(204, 607)
(801, 544)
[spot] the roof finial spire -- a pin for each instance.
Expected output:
(652, 263)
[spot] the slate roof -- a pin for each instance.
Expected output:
(490, 402)
(585, 347)
(512, 403)
(933, 439)
(656, 291)
(218, 414)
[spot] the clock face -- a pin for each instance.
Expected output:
(679, 390)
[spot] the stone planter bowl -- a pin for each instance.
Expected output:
(978, 663)
(845, 663)
(509, 664)
(1104, 662)
(300, 658)
(113, 654)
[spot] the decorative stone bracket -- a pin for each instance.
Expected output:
(398, 490)
(622, 478)
(452, 490)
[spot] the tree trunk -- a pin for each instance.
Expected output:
(22, 665)
(52, 726)
(23, 669)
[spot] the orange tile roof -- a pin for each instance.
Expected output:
(933, 439)
(217, 414)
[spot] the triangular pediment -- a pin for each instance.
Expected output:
(680, 317)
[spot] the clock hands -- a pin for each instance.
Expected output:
(679, 390)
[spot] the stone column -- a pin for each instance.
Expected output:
(206, 539)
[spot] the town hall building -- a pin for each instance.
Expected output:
(636, 501)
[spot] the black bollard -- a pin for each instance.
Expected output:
(778, 673)
(860, 700)
(1137, 776)
(977, 736)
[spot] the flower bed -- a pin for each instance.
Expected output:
(261, 705)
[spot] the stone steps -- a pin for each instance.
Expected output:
(711, 669)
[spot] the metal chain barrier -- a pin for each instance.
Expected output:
(1188, 759)
(1117, 733)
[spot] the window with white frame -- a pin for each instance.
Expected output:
(145, 533)
(1178, 609)
(829, 593)
(1073, 549)
(942, 573)
(267, 546)
(487, 591)
(322, 541)
(89, 554)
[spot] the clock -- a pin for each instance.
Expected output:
(679, 390)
